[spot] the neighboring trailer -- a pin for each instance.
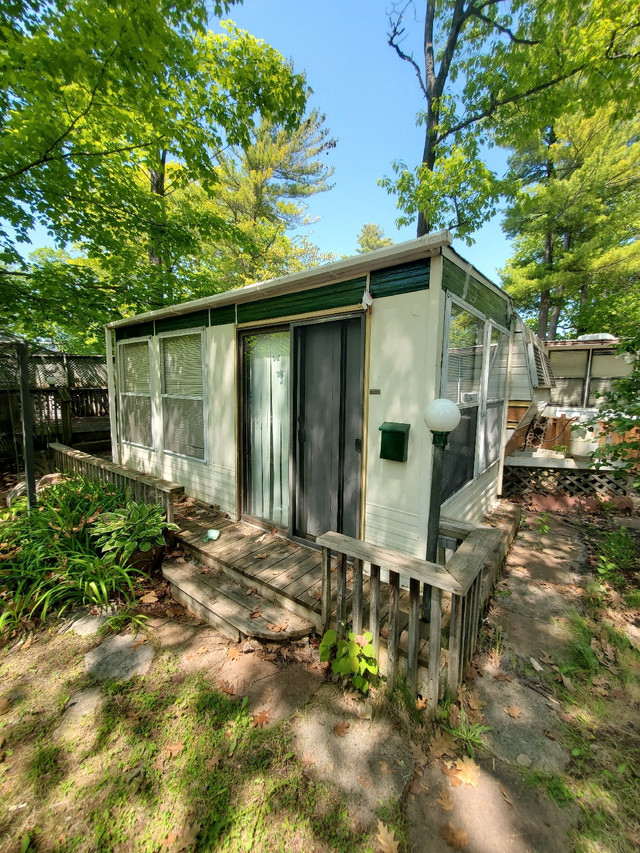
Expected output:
(298, 402)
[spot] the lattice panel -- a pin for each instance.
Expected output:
(519, 481)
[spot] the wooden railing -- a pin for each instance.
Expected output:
(143, 487)
(461, 578)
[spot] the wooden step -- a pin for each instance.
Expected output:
(253, 558)
(228, 605)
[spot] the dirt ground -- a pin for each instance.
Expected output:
(177, 739)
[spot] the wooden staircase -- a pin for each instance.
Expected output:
(248, 583)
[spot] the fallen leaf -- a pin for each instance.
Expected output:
(317, 594)
(567, 682)
(384, 633)
(537, 666)
(149, 598)
(454, 716)
(456, 838)
(252, 590)
(384, 767)
(545, 657)
(468, 771)
(364, 781)
(256, 613)
(260, 719)
(419, 758)
(502, 676)
(451, 771)
(277, 629)
(213, 761)
(173, 749)
(233, 652)
(205, 571)
(351, 696)
(386, 839)
(360, 639)
(442, 743)
(514, 711)
(5, 705)
(505, 795)
(421, 703)
(260, 557)
(444, 800)
(340, 729)
(226, 688)
(548, 734)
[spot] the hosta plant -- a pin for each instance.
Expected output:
(134, 528)
(353, 658)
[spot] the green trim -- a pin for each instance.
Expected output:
(477, 295)
(138, 330)
(183, 321)
(340, 295)
(222, 316)
(404, 278)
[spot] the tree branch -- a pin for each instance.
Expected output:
(393, 39)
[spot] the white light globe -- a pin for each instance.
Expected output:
(441, 415)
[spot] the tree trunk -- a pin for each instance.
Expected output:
(555, 315)
(545, 296)
(581, 326)
(543, 314)
(428, 162)
(157, 178)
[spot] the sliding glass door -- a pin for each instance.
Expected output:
(267, 425)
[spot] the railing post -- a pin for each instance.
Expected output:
(341, 600)
(374, 607)
(394, 628)
(455, 642)
(326, 588)
(435, 641)
(356, 598)
(414, 636)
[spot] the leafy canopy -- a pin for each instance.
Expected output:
(93, 91)
(575, 224)
(491, 73)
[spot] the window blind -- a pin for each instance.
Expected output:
(183, 426)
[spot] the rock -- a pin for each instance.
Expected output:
(18, 491)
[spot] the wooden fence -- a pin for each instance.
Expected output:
(143, 487)
(461, 578)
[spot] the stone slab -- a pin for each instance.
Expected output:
(120, 657)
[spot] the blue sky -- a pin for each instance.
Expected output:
(370, 98)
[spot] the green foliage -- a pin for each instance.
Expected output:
(353, 658)
(542, 523)
(495, 73)
(136, 527)
(574, 221)
(109, 114)
(470, 735)
(372, 237)
(619, 416)
(617, 555)
(50, 559)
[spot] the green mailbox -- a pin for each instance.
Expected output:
(394, 441)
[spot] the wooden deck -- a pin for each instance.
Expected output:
(282, 572)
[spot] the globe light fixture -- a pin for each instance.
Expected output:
(441, 416)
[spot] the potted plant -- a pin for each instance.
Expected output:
(133, 534)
